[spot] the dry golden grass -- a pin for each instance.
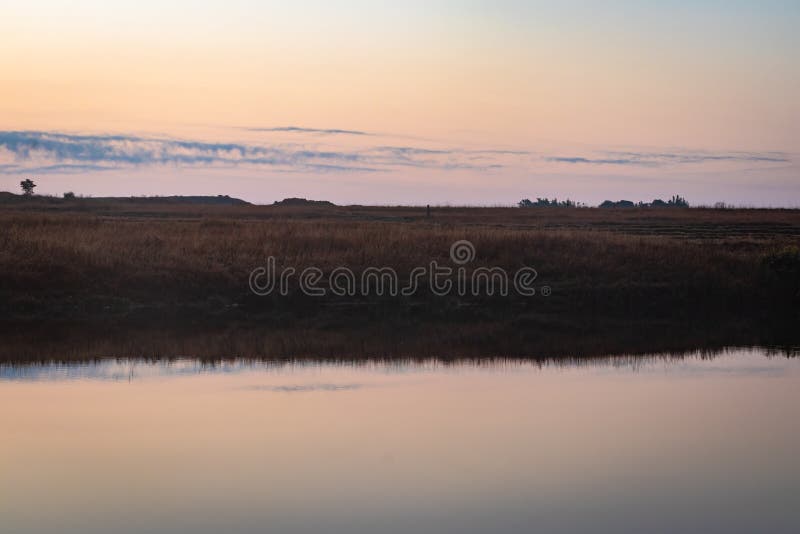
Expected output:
(148, 254)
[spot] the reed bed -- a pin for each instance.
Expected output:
(146, 255)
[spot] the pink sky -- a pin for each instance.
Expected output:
(463, 103)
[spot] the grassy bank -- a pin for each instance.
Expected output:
(370, 333)
(89, 259)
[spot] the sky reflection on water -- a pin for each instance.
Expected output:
(660, 444)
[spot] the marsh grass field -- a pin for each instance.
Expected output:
(84, 258)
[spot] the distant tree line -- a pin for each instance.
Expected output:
(676, 201)
(547, 203)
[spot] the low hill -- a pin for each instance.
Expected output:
(218, 200)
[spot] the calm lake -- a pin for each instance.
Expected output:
(697, 443)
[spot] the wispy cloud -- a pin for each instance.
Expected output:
(592, 161)
(703, 157)
(58, 152)
(299, 129)
(657, 159)
(305, 388)
(410, 150)
(60, 169)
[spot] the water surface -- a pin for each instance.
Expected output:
(660, 444)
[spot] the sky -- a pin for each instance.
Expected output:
(416, 102)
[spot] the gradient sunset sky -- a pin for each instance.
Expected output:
(461, 102)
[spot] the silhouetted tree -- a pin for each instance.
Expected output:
(27, 186)
(678, 201)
